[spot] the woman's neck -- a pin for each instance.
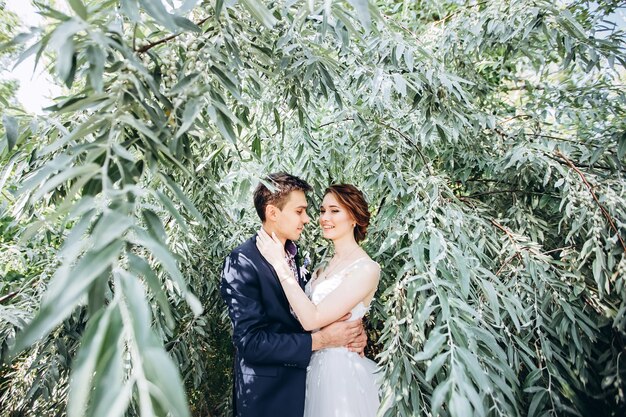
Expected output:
(345, 246)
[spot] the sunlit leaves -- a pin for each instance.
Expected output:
(488, 138)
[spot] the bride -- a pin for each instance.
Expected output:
(339, 382)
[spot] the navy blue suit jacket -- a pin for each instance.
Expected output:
(272, 351)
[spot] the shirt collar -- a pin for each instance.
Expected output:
(291, 248)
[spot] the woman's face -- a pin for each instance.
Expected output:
(335, 220)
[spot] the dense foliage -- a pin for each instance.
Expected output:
(489, 137)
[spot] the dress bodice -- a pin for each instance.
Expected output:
(340, 383)
(317, 291)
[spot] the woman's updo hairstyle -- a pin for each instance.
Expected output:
(354, 201)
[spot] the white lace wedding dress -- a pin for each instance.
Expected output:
(340, 383)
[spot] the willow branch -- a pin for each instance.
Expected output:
(508, 261)
(149, 46)
(459, 11)
(509, 234)
(8, 296)
(347, 119)
(405, 137)
(510, 191)
(382, 203)
(520, 116)
(408, 139)
(604, 211)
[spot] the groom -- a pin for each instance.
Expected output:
(272, 351)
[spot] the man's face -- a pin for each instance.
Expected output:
(292, 218)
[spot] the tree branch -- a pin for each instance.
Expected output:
(508, 261)
(509, 234)
(408, 139)
(606, 214)
(458, 11)
(149, 46)
(405, 137)
(8, 296)
(510, 191)
(380, 206)
(521, 116)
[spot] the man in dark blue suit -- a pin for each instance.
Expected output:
(272, 351)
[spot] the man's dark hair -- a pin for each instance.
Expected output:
(284, 184)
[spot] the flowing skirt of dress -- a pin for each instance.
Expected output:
(341, 383)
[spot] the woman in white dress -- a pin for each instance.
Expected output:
(340, 383)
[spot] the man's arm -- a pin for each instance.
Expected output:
(341, 333)
(254, 342)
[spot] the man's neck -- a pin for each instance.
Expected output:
(269, 229)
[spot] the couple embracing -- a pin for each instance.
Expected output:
(299, 348)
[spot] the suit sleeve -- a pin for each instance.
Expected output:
(253, 339)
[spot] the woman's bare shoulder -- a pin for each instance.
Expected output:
(366, 265)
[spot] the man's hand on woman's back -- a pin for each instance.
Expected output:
(344, 333)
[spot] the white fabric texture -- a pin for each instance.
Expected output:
(340, 383)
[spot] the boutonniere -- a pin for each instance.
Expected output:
(304, 272)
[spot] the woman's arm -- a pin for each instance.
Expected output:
(253, 336)
(354, 288)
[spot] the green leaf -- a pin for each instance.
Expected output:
(363, 12)
(260, 12)
(155, 227)
(161, 253)
(111, 226)
(439, 396)
(169, 263)
(437, 248)
(464, 272)
(598, 267)
(433, 345)
(159, 369)
(621, 147)
(111, 393)
(141, 267)
(89, 170)
(115, 397)
(79, 8)
(494, 304)
(183, 198)
(536, 403)
(157, 11)
(92, 124)
(84, 366)
(192, 109)
(10, 127)
(186, 24)
(62, 41)
(459, 405)
(225, 127)
(169, 205)
(96, 67)
(435, 365)
(131, 9)
(399, 84)
(184, 82)
(474, 368)
(168, 385)
(66, 288)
